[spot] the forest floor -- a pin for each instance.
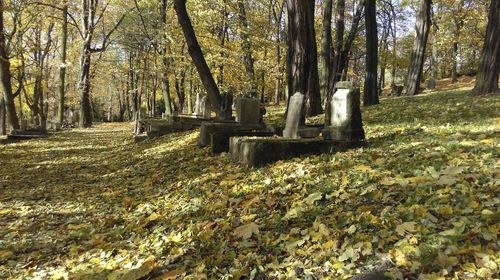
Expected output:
(422, 198)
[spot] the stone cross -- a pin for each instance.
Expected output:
(345, 115)
(247, 110)
(293, 116)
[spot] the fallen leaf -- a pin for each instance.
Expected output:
(246, 231)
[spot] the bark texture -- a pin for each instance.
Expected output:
(303, 73)
(419, 45)
(487, 77)
(5, 76)
(370, 89)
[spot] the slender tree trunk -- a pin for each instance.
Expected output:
(418, 55)
(5, 76)
(454, 74)
(198, 58)
(487, 77)
(62, 69)
(326, 49)
(246, 46)
(3, 116)
(222, 36)
(370, 89)
(339, 43)
(278, 76)
(164, 59)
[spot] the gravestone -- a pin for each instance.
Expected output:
(345, 115)
(205, 108)
(197, 104)
(293, 116)
(248, 110)
(227, 106)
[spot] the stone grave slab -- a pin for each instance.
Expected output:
(230, 127)
(257, 152)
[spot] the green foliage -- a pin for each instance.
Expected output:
(91, 204)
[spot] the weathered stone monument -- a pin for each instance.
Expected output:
(248, 110)
(293, 116)
(205, 108)
(345, 115)
(197, 105)
(343, 131)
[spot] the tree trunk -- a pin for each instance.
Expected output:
(326, 49)
(3, 116)
(198, 58)
(62, 70)
(246, 46)
(487, 77)
(434, 61)
(165, 85)
(339, 43)
(341, 62)
(302, 55)
(419, 45)
(370, 90)
(85, 108)
(5, 76)
(454, 74)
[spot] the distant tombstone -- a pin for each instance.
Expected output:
(24, 124)
(198, 105)
(227, 105)
(345, 115)
(248, 110)
(205, 108)
(142, 113)
(293, 116)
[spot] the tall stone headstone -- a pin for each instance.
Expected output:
(205, 108)
(248, 110)
(345, 116)
(197, 105)
(227, 105)
(293, 116)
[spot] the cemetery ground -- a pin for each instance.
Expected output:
(422, 200)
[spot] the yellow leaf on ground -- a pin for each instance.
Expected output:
(171, 275)
(313, 198)
(5, 254)
(403, 228)
(246, 231)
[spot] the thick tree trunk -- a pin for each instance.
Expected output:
(326, 49)
(487, 77)
(418, 54)
(246, 46)
(5, 76)
(198, 58)
(370, 89)
(303, 59)
(434, 62)
(62, 69)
